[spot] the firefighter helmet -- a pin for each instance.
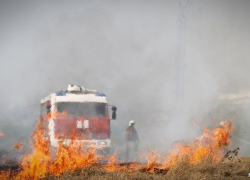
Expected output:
(131, 122)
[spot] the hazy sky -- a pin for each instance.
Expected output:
(127, 50)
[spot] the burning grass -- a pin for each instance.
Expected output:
(206, 169)
(183, 170)
(200, 159)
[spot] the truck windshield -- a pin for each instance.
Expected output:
(89, 109)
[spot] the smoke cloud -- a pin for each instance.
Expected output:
(127, 50)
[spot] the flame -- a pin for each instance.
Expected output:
(41, 162)
(19, 145)
(35, 164)
(211, 144)
(153, 160)
(5, 175)
(113, 163)
(55, 114)
(68, 158)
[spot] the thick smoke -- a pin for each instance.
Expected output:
(127, 50)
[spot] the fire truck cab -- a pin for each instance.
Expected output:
(79, 113)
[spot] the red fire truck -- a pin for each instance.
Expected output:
(81, 112)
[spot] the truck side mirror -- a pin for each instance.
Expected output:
(48, 109)
(114, 112)
(48, 106)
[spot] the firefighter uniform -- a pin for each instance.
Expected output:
(132, 140)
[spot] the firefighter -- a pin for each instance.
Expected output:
(132, 140)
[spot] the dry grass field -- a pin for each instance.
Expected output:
(203, 158)
(235, 169)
